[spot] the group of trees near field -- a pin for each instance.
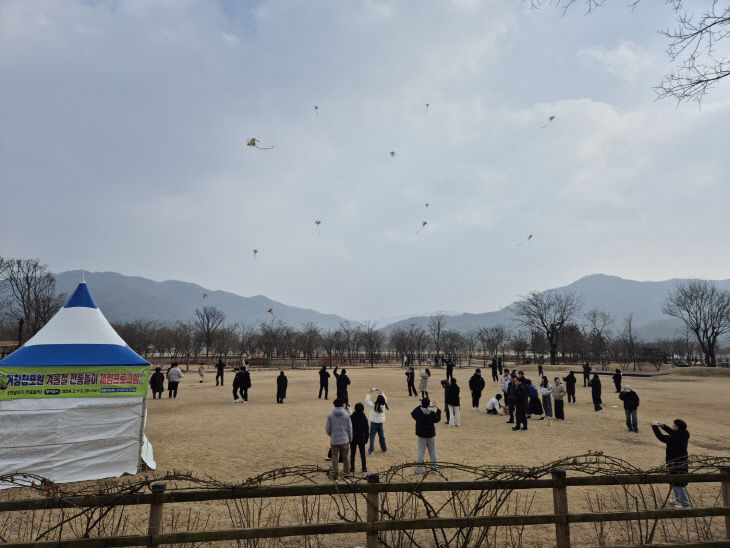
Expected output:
(550, 324)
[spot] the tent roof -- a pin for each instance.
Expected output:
(78, 334)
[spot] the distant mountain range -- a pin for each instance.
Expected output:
(617, 296)
(127, 298)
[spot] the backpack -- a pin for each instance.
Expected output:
(532, 391)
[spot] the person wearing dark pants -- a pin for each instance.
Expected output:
(445, 383)
(617, 380)
(495, 377)
(631, 405)
(173, 380)
(449, 368)
(157, 383)
(521, 400)
(219, 368)
(595, 384)
(499, 365)
(237, 383)
(586, 374)
(359, 436)
(677, 439)
(246, 384)
(324, 382)
(558, 395)
(281, 383)
(411, 381)
(509, 397)
(570, 381)
(342, 381)
(476, 385)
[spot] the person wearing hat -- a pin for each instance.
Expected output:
(426, 433)
(677, 439)
(631, 404)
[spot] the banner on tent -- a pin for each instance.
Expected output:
(73, 382)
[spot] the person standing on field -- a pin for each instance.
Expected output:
(495, 377)
(499, 365)
(339, 429)
(237, 383)
(453, 403)
(570, 382)
(546, 390)
(449, 368)
(157, 383)
(411, 381)
(324, 382)
(476, 385)
(201, 372)
(281, 384)
(677, 439)
(445, 384)
(631, 405)
(595, 384)
(219, 368)
(511, 398)
(342, 381)
(617, 380)
(521, 402)
(423, 385)
(377, 420)
(359, 436)
(426, 433)
(586, 374)
(559, 392)
(173, 379)
(246, 383)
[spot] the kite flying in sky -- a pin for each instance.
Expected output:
(255, 143)
(316, 109)
(423, 225)
(255, 252)
(318, 222)
(392, 153)
(270, 311)
(548, 122)
(427, 107)
(427, 204)
(529, 237)
(205, 295)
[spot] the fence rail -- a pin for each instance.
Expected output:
(559, 483)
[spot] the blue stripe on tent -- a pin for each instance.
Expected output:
(81, 297)
(73, 354)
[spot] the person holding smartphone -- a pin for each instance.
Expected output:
(425, 419)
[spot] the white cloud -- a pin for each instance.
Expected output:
(627, 61)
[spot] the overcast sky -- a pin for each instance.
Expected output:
(123, 127)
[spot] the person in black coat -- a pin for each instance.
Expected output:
(521, 402)
(411, 381)
(281, 383)
(219, 368)
(324, 382)
(445, 383)
(495, 376)
(586, 374)
(540, 371)
(246, 383)
(595, 384)
(342, 381)
(510, 398)
(476, 385)
(426, 432)
(631, 404)
(237, 383)
(677, 439)
(617, 380)
(570, 382)
(499, 365)
(157, 383)
(360, 435)
(449, 368)
(453, 402)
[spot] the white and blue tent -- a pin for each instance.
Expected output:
(73, 399)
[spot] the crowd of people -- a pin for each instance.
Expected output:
(518, 398)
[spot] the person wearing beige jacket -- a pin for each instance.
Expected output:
(559, 392)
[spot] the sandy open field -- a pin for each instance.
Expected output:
(204, 432)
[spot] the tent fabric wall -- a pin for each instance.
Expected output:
(73, 439)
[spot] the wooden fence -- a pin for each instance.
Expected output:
(561, 518)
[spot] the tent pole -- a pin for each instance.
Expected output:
(141, 433)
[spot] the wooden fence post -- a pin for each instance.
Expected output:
(373, 512)
(560, 504)
(155, 525)
(725, 487)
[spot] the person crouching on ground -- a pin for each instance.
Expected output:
(559, 392)
(339, 429)
(426, 433)
(631, 404)
(359, 436)
(377, 420)
(677, 439)
(493, 407)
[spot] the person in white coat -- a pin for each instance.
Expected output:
(173, 379)
(377, 420)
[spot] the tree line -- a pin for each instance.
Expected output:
(548, 325)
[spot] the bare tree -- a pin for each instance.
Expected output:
(207, 322)
(520, 343)
(224, 339)
(692, 45)
(330, 340)
(452, 341)
(416, 342)
(548, 312)
(598, 333)
(185, 341)
(471, 340)
(436, 325)
(705, 310)
(139, 334)
(310, 340)
(629, 340)
(350, 338)
(372, 341)
(31, 289)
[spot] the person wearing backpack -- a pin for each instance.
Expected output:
(631, 405)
